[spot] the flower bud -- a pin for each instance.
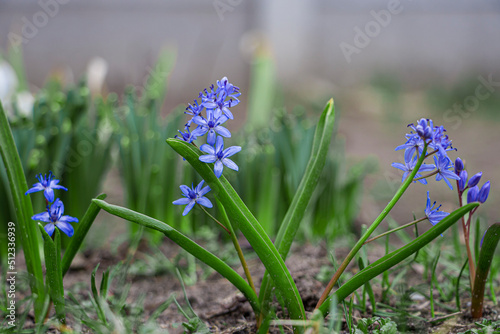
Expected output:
(463, 180)
(484, 192)
(474, 180)
(459, 166)
(472, 194)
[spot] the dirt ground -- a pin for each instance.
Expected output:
(225, 310)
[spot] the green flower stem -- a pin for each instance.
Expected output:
(236, 244)
(215, 220)
(372, 227)
(396, 229)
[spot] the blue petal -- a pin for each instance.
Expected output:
(36, 187)
(207, 149)
(208, 158)
(66, 228)
(49, 194)
(188, 207)
(230, 163)
(182, 201)
(223, 131)
(49, 228)
(204, 191)
(218, 168)
(68, 219)
(44, 217)
(185, 190)
(231, 151)
(219, 146)
(205, 202)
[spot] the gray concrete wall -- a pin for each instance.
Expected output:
(417, 40)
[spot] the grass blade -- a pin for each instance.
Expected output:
(26, 228)
(190, 246)
(295, 213)
(490, 242)
(390, 260)
(52, 249)
(81, 231)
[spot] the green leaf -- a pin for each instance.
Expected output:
(52, 250)
(490, 242)
(295, 213)
(190, 246)
(25, 227)
(390, 260)
(81, 232)
(248, 225)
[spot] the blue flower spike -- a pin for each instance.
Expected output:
(54, 218)
(433, 214)
(46, 183)
(219, 156)
(192, 196)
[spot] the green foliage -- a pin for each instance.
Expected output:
(486, 326)
(376, 325)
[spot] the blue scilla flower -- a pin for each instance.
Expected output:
(187, 136)
(433, 214)
(212, 125)
(409, 165)
(194, 109)
(472, 194)
(413, 144)
(193, 196)
(443, 165)
(228, 89)
(219, 156)
(54, 217)
(459, 166)
(426, 132)
(46, 183)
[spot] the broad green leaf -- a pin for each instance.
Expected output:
(190, 246)
(25, 227)
(82, 229)
(295, 213)
(490, 242)
(392, 259)
(52, 250)
(248, 225)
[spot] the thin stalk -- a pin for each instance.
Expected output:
(428, 175)
(372, 227)
(396, 229)
(472, 268)
(215, 220)
(237, 246)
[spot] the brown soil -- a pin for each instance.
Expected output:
(225, 310)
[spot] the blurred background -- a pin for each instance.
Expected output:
(123, 63)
